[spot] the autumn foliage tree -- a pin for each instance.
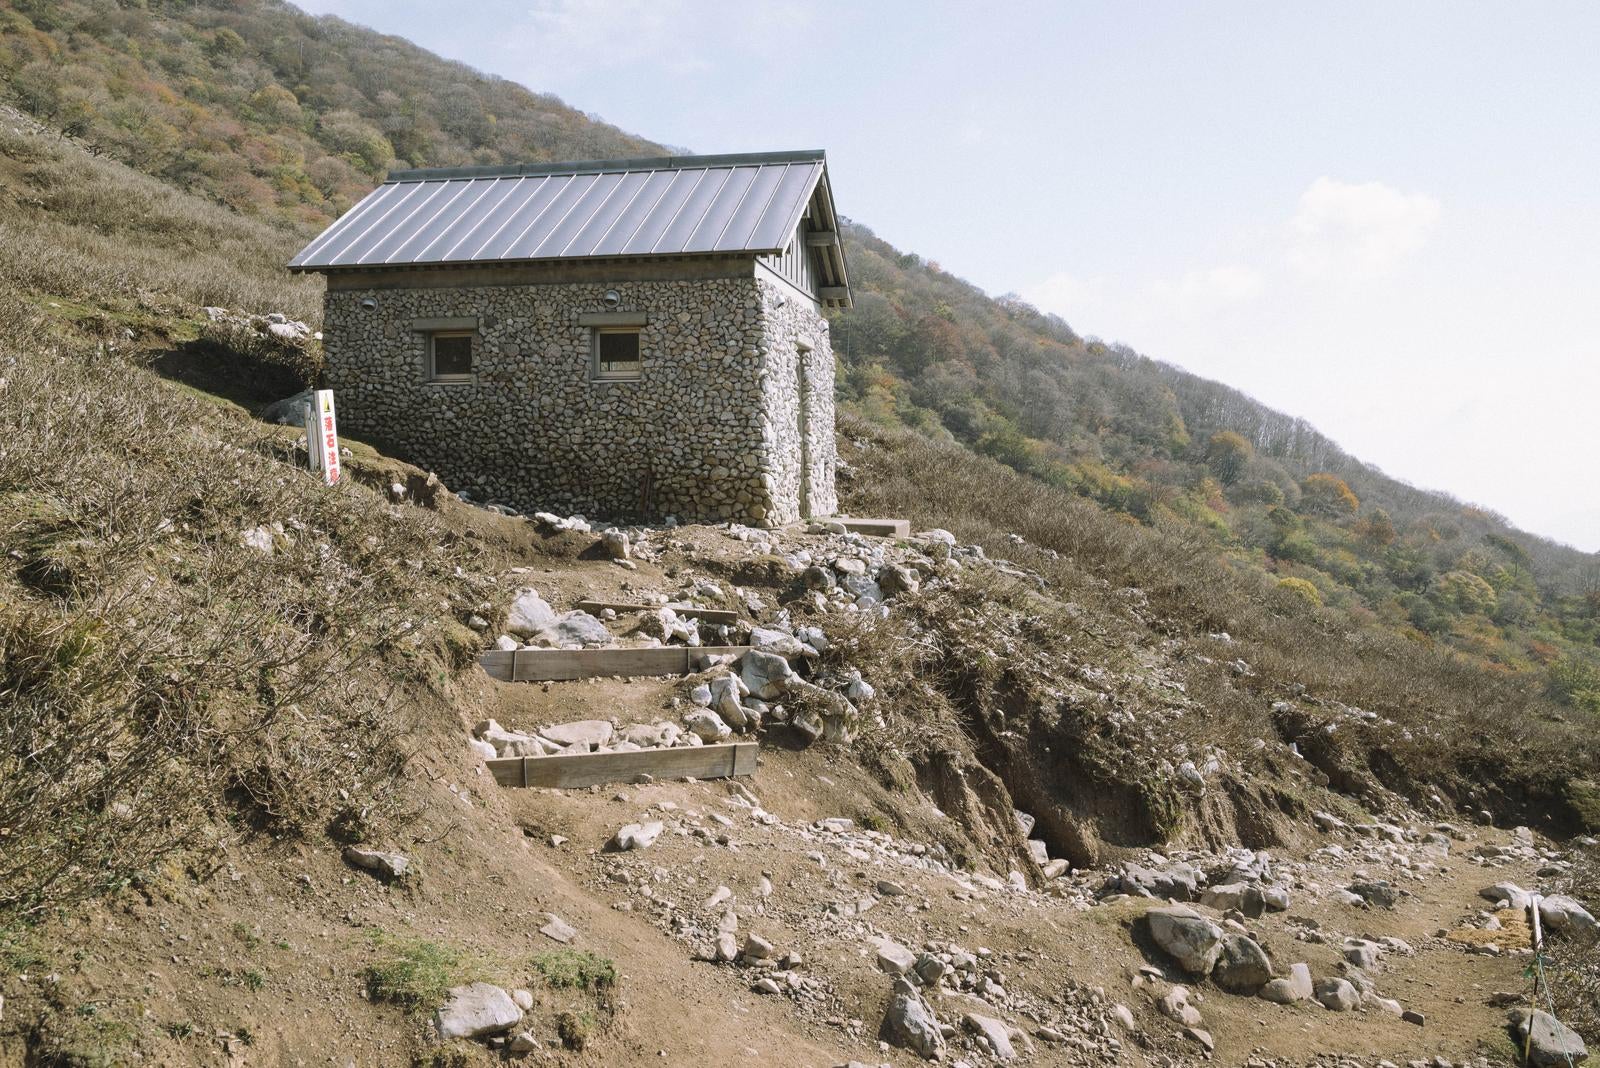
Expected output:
(1328, 496)
(1227, 454)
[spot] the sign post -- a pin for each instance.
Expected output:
(322, 436)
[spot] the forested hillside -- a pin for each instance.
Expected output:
(291, 118)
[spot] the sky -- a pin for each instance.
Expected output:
(1382, 217)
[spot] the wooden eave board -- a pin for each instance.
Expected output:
(554, 665)
(575, 770)
(710, 615)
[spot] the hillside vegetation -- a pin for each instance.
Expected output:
(216, 672)
(291, 118)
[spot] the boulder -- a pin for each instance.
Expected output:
(388, 865)
(475, 1010)
(290, 411)
(1287, 990)
(779, 643)
(1242, 967)
(993, 1032)
(894, 958)
(557, 929)
(529, 614)
(1336, 995)
(897, 578)
(637, 836)
(766, 674)
(707, 725)
(1509, 894)
(1175, 882)
(1378, 894)
(1174, 1005)
(725, 702)
(1188, 937)
(614, 544)
(910, 1022)
(586, 734)
(572, 630)
(818, 578)
(1563, 914)
(1552, 1042)
(1363, 954)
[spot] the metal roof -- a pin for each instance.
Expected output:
(659, 206)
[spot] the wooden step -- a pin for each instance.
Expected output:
(552, 665)
(875, 528)
(570, 771)
(689, 611)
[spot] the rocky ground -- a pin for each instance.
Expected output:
(826, 910)
(1394, 940)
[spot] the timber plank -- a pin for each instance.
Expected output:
(877, 528)
(573, 770)
(710, 615)
(553, 665)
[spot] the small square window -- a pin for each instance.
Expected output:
(450, 356)
(616, 353)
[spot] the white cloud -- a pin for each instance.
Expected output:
(1068, 295)
(1357, 230)
(1214, 289)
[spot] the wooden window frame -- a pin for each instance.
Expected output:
(595, 372)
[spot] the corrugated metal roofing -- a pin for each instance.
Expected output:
(666, 206)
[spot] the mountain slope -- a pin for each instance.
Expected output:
(172, 889)
(290, 118)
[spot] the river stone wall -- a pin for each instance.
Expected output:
(708, 432)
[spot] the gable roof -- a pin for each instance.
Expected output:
(659, 206)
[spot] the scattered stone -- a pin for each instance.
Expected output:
(523, 1042)
(558, 929)
(756, 947)
(586, 734)
(637, 836)
(994, 1032)
(1412, 1016)
(1175, 1005)
(1363, 954)
(910, 1022)
(1287, 990)
(1336, 994)
(388, 865)
(474, 1010)
(1553, 1042)
(614, 544)
(1377, 894)
(1201, 1036)
(523, 998)
(1191, 939)
(1561, 913)
(1509, 894)
(1242, 966)
(894, 958)
(707, 725)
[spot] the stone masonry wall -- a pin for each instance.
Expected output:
(794, 332)
(697, 436)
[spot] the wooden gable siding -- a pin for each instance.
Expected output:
(794, 264)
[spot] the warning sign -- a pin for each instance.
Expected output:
(322, 436)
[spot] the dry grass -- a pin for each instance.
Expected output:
(152, 664)
(1573, 964)
(1444, 725)
(84, 228)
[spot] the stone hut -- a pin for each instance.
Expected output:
(625, 338)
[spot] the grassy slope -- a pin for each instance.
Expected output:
(290, 118)
(146, 640)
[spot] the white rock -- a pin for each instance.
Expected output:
(478, 1009)
(637, 836)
